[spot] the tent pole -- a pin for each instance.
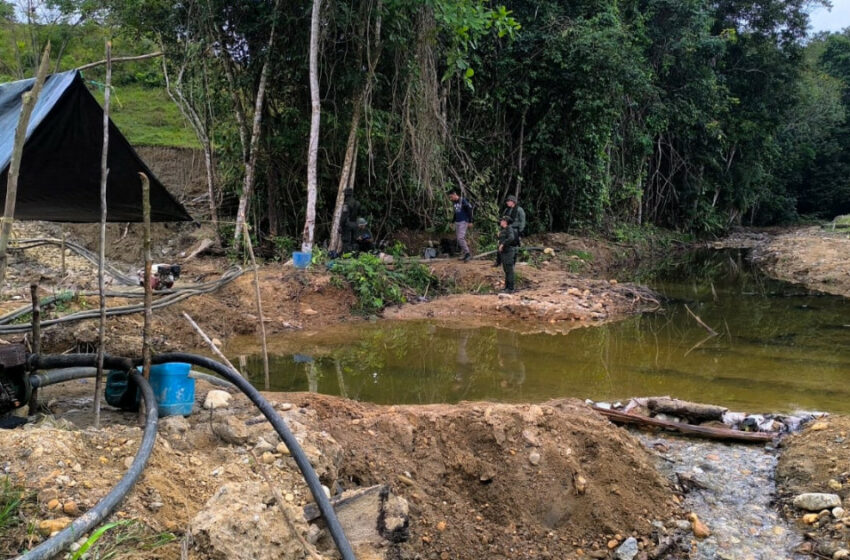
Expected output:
(29, 101)
(104, 171)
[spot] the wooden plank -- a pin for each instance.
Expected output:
(690, 429)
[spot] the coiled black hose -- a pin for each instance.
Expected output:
(90, 519)
(307, 471)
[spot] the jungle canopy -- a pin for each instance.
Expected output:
(59, 179)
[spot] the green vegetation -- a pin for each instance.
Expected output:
(16, 504)
(378, 285)
(121, 537)
(140, 107)
(148, 117)
(609, 116)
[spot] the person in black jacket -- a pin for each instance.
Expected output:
(462, 221)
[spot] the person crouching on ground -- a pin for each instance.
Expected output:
(363, 237)
(507, 251)
(517, 214)
(462, 221)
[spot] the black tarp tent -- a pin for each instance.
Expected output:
(59, 179)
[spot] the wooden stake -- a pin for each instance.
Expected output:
(101, 284)
(209, 342)
(146, 331)
(262, 321)
(28, 104)
(36, 341)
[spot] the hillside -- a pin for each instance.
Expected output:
(141, 108)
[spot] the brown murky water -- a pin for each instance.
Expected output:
(778, 348)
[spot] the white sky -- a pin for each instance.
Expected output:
(835, 19)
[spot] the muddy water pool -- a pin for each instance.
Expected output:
(778, 347)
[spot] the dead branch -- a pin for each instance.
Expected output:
(700, 322)
(120, 59)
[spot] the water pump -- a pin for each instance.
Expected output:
(162, 276)
(15, 388)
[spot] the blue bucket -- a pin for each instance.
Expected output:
(173, 389)
(300, 259)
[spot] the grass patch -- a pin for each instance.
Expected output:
(16, 505)
(148, 117)
(117, 539)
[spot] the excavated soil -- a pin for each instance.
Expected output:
(481, 480)
(817, 460)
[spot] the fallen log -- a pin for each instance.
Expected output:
(695, 412)
(701, 431)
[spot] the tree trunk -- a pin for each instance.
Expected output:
(251, 164)
(313, 148)
(29, 101)
(104, 173)
(344, 177)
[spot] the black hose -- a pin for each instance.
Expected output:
(307, 471)
(280, 427)
(90, 519)
(61, 375)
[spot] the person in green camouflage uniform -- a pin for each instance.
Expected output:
(517, 214)
(507, 249)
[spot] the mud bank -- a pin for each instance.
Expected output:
(480, 480)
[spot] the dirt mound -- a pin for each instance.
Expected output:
(548, 297)
(817, 460)
(502, 481)
(813, 257)
(482, 480)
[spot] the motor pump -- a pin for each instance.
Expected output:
(14, 383)
(163, 276)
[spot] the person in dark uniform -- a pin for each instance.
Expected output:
(507, 250)
(363, 237)
(517, 214)
(348, 220)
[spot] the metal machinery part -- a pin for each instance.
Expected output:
(15, 388)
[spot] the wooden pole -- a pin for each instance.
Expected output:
(209, 342)
(36, 341)
(104, 172)
(262, 321)
(146, 331)
(29, 100)
(62, 246)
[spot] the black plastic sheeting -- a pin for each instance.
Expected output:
(59, 179)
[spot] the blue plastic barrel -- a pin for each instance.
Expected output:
(301, 259)
(173, 389)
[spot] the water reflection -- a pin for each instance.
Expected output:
(774, 347)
